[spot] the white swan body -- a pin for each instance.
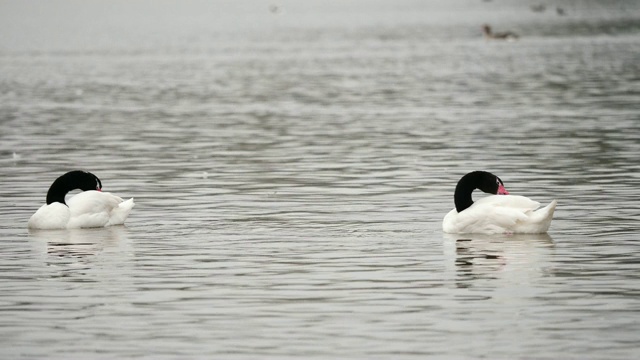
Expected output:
(88, 209)
(499, 214)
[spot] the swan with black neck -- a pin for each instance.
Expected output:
(89, 209)
(498, 213)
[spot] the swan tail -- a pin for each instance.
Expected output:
(544, 216)
(120, 213)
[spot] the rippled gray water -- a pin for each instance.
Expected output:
(291, 170)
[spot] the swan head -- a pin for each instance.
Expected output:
(482, 180)
(72, 180)
(486, 182)
(497, 187)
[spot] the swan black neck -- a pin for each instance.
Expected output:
(482, 180)
(70, 181)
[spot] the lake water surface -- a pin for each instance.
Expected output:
(291, 166)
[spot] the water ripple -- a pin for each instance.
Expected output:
(291, 177)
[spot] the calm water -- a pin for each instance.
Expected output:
(291, 170)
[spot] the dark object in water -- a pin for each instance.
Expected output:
(507, 35)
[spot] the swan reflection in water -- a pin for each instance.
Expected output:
(82, 248)
(517, 257)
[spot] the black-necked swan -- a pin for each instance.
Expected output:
(500, 213)
(89, 209)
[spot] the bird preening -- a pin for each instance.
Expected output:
(498, 213)
(88, 209)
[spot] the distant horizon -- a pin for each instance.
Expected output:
(126, 25)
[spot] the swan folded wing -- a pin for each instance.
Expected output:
(92, 209)
(509, 201)
(508, 218)
(491, 215)
(511, 212)
(518, 214)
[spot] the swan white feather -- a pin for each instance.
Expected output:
(497, 214)
(88, 209)
(52, 216)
